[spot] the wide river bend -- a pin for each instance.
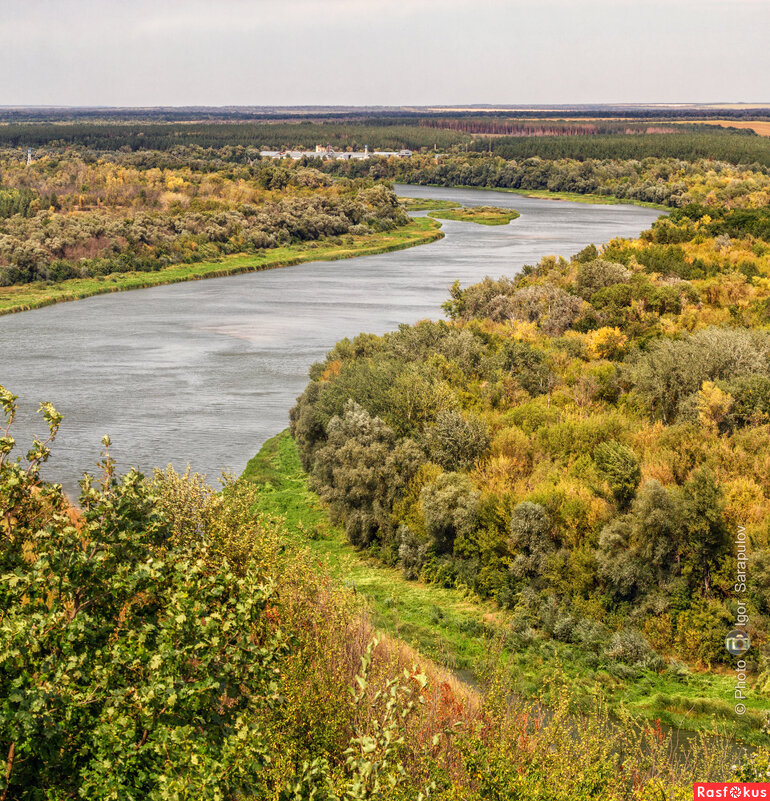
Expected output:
(204, 372)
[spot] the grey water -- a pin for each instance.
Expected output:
(204, 372)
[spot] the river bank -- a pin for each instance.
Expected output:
(206, 371)
(456, 630)
(573, 197)
(25, 297)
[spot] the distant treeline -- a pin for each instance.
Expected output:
(668, 181)
(160, 136)
(371, 115)
(554, 139)
(552, 127)
(731, 146)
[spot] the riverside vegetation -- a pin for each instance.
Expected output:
(543, 490)
(162, 642)
(581, 444)
(668, 181)
(21, 297)
(484, 215)
(455, 627)
(138, 201)
(71, 227)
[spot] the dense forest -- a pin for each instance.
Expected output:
(735, 147)
(665, 181)
(384, 135)
(581, 441)
(66, 217)
(497, 126)
(509, 137)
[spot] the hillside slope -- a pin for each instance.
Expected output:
(458, 630)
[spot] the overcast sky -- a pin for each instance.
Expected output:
(382, 52)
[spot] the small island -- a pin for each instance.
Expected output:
(484, 215)
(426, 204)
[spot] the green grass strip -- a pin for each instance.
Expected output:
(426, 203)
(23, 297)
(483, 215)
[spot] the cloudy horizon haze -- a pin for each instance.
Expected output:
(374, 52)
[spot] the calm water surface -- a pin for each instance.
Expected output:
(204, 372)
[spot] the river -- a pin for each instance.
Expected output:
(204, 372)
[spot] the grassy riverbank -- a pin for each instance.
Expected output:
(575, 197)
(456, 630)
(33, 296)
(426, 204)
(483, 215)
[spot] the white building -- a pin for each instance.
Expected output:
(328, 152)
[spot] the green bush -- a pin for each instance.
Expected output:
(531, 539)
(599, 274)
(137, 663)
(672, 370)
(455, 442)
(620, 466)
(449, 506)
(628, 646)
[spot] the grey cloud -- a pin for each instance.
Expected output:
(180, 52)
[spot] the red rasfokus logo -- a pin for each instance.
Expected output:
(728, 790)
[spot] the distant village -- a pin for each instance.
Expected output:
(328, 152)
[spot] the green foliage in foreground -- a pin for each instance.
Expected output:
(444, 624)
(127, 650)
(580, 444)
(484, 215)
(622, 397)
(161, 643)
